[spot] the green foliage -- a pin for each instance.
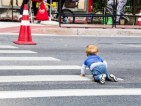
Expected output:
(98, 5)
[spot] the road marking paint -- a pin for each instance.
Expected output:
(28, 59)
(7, 46)
(37, 78)
(16, 51)
(120, 79)
(69, 92)
(132, 45)
(54, 67)
(138, 46)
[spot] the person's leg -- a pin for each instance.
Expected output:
(22, 6)
(120, 9)
(35, 9)
(48, 1)
(62, 3)
(109, 6)
(99, 73)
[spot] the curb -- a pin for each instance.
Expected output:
(54, 30)
(84, 32)
(92, 32)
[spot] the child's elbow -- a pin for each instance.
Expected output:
(105, 63)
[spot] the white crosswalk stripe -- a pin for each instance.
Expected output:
(37, 78)
(7, 46)
(16, 51)
(69, 92)
(54, 67)
(28, 59)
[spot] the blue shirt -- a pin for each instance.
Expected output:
(92, 59)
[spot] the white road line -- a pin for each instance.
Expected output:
(7, 46)
(37, 78)
(69, 92)
(120, 79)
(16, 51)
(28, 59)
(138, 46)
(54, 67)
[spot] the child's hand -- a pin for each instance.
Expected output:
(82, 75)
(93, 79)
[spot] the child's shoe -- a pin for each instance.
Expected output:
(65, 20)
(102, 79)
(113, 78)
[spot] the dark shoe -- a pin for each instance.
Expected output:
(126, 21)
(113, 78)
(102, 79)
(66, 20)
(117, 23)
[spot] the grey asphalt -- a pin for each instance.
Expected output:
(122, 54)
(120, 47)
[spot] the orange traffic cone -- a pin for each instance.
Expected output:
(25, 31)
(42, 13)
(139, 19)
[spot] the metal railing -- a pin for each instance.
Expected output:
(103, 16)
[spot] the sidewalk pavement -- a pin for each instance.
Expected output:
(12, 28)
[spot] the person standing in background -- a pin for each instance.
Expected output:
(120, 8)
(65, 19)
(35, 9)
(62, 3)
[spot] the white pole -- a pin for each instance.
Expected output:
(50, 10)
(30, 10)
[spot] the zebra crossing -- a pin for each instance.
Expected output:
(34, 67)
(47, 78)
(8, 49)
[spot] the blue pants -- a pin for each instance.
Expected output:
(98, 71)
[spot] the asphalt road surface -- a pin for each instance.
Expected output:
(48, 74)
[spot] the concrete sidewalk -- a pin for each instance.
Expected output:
(12, 28)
